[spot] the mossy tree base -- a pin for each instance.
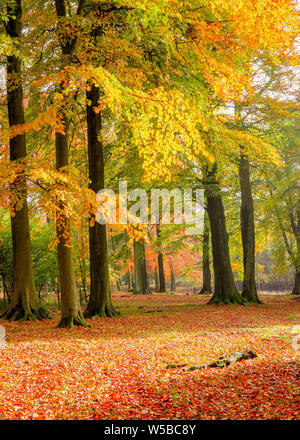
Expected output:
(233, 298)
(101, 312)
(72, 320)
(204, 291)
(250, 295)
(143, 292)
(20, 313)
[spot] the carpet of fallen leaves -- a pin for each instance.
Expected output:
(116, 369)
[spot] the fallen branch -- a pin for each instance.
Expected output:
(223, 361)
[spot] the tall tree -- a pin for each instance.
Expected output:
(296, 231)
(286, 208)
(225, 290)
(129, 280)
(249, 291)
(100, 297)
(172, 274)
(24, 302)
(156, 279)
(71, 313)
(140, 270)
(206, 287)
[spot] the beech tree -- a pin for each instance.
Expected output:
(172, 274)
(283, 206)
(24, 302)
(160, 265)
(71, 313)
(225, 290)
(206, 274)
(140, 269)
(249, 291)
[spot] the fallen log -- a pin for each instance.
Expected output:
(223, 361)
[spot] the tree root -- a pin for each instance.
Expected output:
(204, 292)
(72, 320)
(253, 301)
(19, 313)
(235, 299)
(44, 313)
(145, 292)
(250, 296)
(223, 361)
(101, 312)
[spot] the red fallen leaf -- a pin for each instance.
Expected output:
(117, 371)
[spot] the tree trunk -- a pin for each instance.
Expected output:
(141, 278)
(206, 288)
(172, 274)
(100, 303)
(24, 303)
(70, 303)
(294, 256)
(160, 258)
(225, 289)
(249, 291)
(83, 273)
(156, 279)
(58, 294)
(296, 289)
(130, 283)
(83, 266)
(295, 222)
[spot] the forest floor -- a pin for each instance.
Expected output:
(117, 368)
